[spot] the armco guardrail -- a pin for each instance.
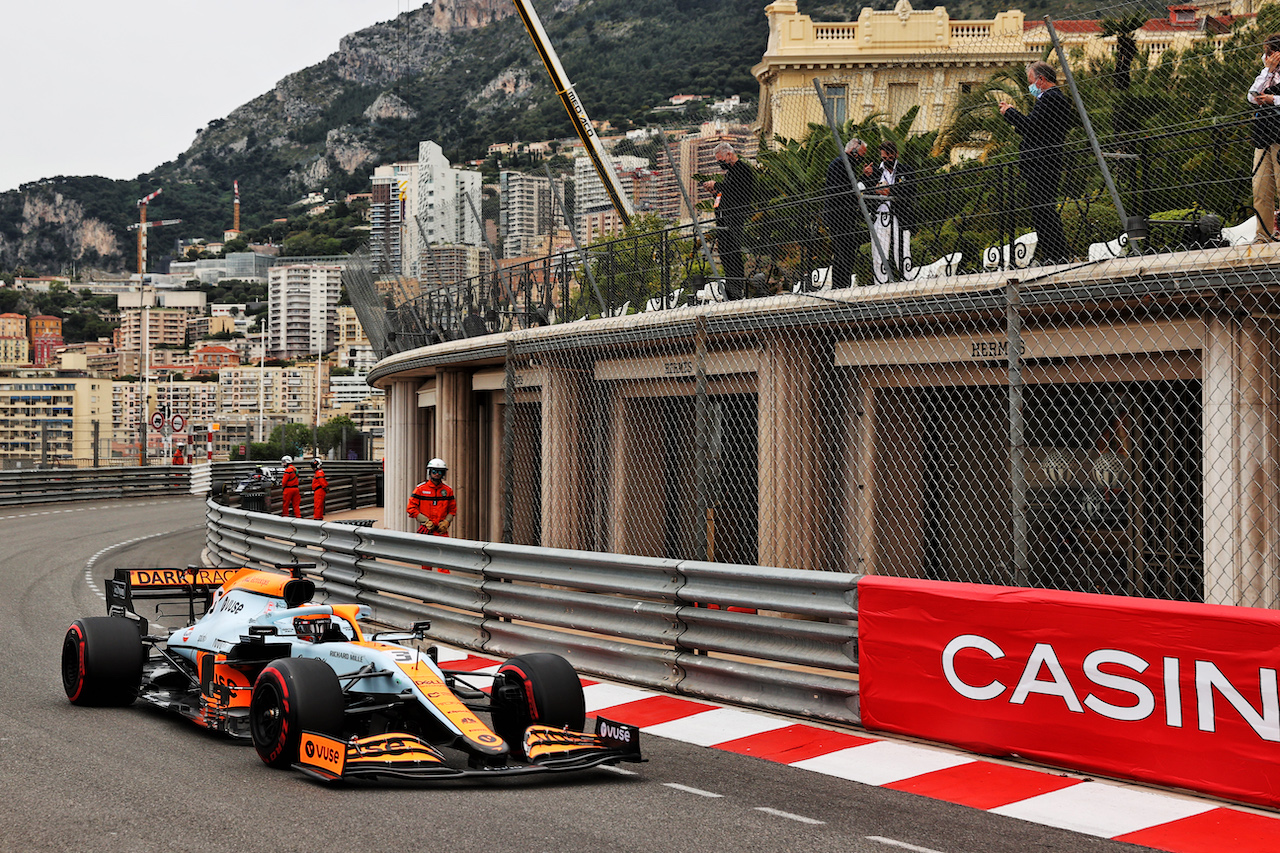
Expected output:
(789, 644)
(352, 484)
(223, 474)
(201, 478)
(56, 485)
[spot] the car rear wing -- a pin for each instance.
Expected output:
(192, 584)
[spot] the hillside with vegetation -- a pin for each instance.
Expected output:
(386, 89)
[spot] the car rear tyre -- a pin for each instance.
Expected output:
(102, 661)
(292, 696)
(538, 688)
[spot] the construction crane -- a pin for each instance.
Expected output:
(142, 227)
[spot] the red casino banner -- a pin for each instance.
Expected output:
(1158, 691)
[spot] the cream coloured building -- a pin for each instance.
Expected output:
(287, 390)
(165, 327)
(353, 348)
(887, 62)
(50, 414)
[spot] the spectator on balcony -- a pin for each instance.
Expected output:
(1040, 156)
(1265, 95)
(734, 199)
(841, 214)
(892, 218)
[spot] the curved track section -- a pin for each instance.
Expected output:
(132, 779)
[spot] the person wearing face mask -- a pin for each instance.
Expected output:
(841, 214)
(1040, 157)
(734, 195)
(1265, 95)
(892, 217)
(432, 503)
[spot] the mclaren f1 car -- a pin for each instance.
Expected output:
(260, 660)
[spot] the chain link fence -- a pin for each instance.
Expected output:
(1036, 351)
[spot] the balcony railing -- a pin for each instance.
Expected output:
(969, 219)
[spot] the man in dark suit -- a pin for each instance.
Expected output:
(734, 204)
(841, 214)
(1040, 157)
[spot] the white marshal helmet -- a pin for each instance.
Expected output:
(437, 464)
(287, 460)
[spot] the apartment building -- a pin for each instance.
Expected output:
(528, 212)
(15, 350)
(353, 349)
(347, 391)
(450, 262)
(46, 338)
(199, 328)
(289, 391)
(302, 301)
(394, 197)
(165, 327)
(593, 209)
(656, 192)
(446, 199)
(45, 413)
(213, 358)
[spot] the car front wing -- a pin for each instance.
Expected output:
(405, 757)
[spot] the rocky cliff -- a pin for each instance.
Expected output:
(460, 72)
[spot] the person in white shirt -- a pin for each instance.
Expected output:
(891, 219)
(1266, 138)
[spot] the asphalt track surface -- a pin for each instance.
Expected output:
(135, 779)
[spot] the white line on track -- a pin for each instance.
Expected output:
(621, 771)
(790, 816)
(688, 790)
(93, 507)
(88, 567)
(901, 844)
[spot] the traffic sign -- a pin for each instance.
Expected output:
(178, 422)
(157, 421)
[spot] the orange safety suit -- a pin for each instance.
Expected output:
(292, 493)
(435, 502)
(319, 488)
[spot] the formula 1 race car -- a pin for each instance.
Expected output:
(302, 680)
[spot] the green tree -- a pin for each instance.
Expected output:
(332, 433)
(628, 268)
(290, 439)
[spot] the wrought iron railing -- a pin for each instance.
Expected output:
(970, 219)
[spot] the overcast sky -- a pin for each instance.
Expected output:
(104, 87)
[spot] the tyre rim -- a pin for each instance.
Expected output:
(267, 721)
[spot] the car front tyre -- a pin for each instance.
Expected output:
(102, 661)
(292, 696)
(539, 688)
